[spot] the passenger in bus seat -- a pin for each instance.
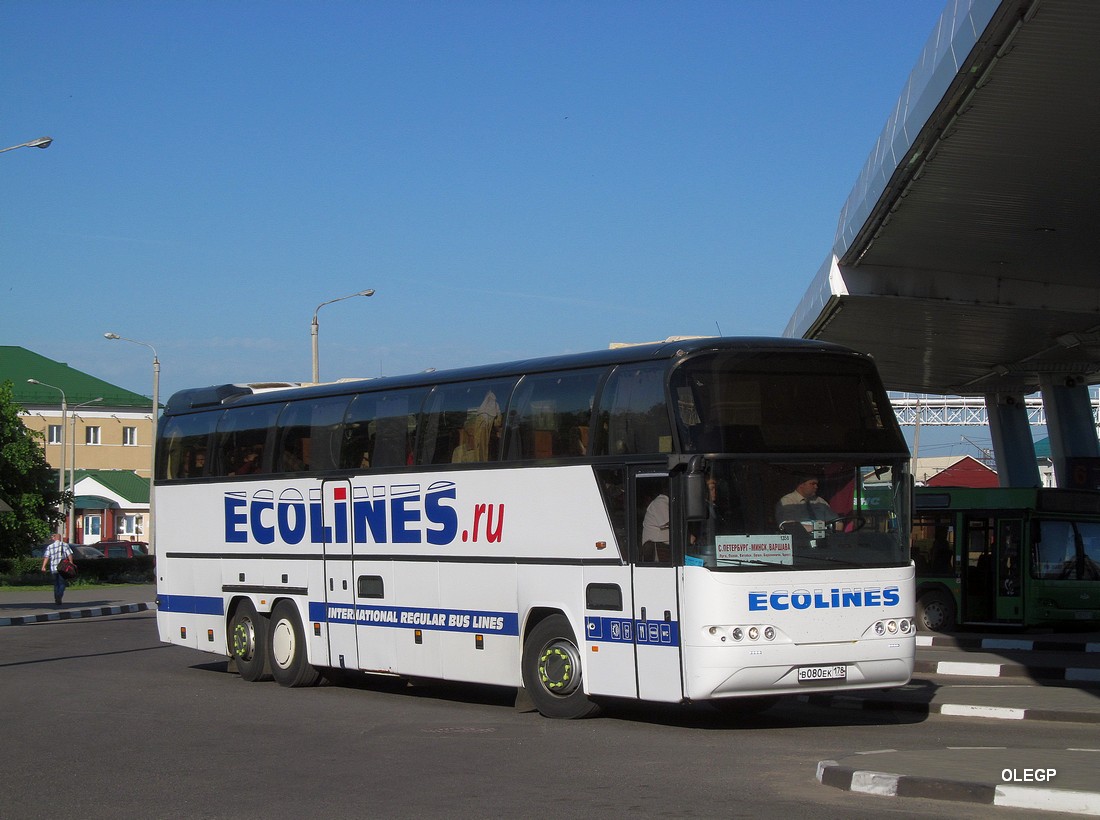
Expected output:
(467, 450)
(942, 553)
(292, 458)
(487, 423)
(249, 462)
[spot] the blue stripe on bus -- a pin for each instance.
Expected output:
(191, 604)
(627, 630)
(400, 617)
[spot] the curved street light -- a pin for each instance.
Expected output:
(41, 142)
(313, 328)
(61, 466)
(153, 434)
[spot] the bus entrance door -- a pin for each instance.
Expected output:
(654, 549)
(339, 580)
(1009, 576)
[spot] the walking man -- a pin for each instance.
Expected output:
(57, 550)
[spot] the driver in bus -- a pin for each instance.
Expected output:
(804, 505)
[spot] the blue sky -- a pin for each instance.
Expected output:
(513, 178)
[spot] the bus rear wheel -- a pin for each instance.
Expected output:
(551, 670)
(287, 648)
(248, 642)
(936, 611)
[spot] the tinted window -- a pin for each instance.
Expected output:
(183, 446)
(462, 422)
(309, 435)
(240, 444)
(380, 430)
(550, 414)
(633, 414)
(767, 402)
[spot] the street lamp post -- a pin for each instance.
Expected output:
(61, 466)
(313, 328)
(41, 142)
(153, 434)
(72, 466)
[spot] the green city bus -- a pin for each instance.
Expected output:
(1006, 556)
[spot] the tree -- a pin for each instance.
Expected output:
(27, 483)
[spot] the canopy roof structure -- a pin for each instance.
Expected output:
(966, 259)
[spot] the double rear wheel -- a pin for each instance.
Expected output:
(275, 647)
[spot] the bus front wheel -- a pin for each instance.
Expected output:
(552, 671)
(287, 648)
(248, 642)
(936, 611)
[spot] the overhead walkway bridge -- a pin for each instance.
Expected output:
(967, 257)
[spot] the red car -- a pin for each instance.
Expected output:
(123, 549)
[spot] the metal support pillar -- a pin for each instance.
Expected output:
(1072, 427)
(1012, 442)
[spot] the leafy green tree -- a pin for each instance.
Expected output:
(27, 483)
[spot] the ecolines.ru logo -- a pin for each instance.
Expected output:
(393, 514)
(834, 598)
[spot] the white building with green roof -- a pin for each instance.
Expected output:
(107, 432)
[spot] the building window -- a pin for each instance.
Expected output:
(91, 435)
(92, 525)
(55, 434)
(129, 525)
(129, 436)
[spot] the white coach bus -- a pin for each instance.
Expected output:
(617, 524)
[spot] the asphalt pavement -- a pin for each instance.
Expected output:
(1054, 677)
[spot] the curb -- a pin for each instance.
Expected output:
(1019, 644)
(949, 709)
(71, 614)
(888, 784)
(1007, 670)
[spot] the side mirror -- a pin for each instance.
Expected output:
(695, 490)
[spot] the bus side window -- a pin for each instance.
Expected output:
(461, 422)
(550, 415)
(184, 443)
(380, 430)
(240, 443)
(934, 544)
(633, 412)
(613, 489)
(309, 434)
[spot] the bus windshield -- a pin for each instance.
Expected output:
(727, 402)
(772, 515)
(1068, 550)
